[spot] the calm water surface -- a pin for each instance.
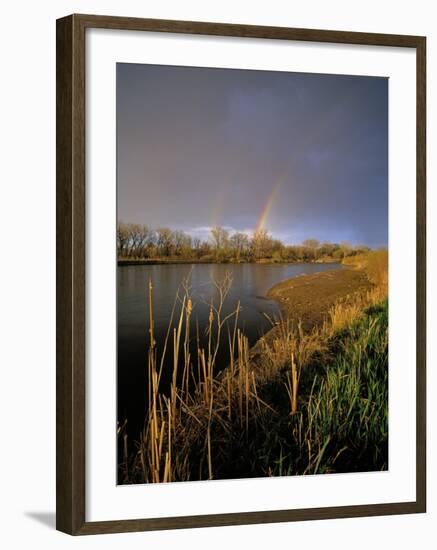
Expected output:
(250, 283)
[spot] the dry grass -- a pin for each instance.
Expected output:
(374, 263)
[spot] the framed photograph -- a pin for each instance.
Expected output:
(240, 274)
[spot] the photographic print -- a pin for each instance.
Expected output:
(252, 273)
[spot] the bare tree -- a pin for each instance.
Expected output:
(346, 248)
(312, 247)
(148, 241)
(220, 239)
(182, 243)
(262, 244)
(138, 239)
(122, 239)
(311, 243)
(239, 244)
(164, 241)
(196, 245)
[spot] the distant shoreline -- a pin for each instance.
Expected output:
(176, 261)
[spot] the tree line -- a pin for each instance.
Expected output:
(137, 241)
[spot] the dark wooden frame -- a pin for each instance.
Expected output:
(70, 275)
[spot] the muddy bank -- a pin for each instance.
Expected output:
(308, 298)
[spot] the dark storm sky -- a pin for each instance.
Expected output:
(202, 147)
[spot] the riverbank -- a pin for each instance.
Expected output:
(309, 298)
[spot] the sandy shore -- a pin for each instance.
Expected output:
(309, 297)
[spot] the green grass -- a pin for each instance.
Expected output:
(342, 425)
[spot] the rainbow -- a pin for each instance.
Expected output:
(268, 205)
